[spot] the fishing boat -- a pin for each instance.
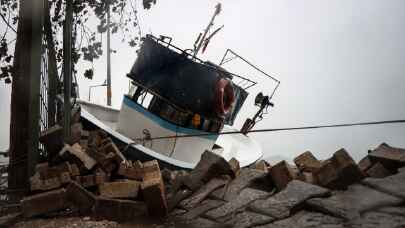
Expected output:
(178, 106)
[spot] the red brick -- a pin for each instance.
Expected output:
(307, 162)
(281, 174)
(43, 203)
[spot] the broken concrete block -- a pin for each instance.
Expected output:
(235, 166)
(52, 139)
(246, 178)
(77, 151)
(130, 172)
(306, 177)
(154, 195)
(339, 171)
(110, 147)
(262, 165)
(364, 164)
(80, 197)
(47, 172)
(378, 171)
(151, 170)
(280, 205)
(75, 134)
(390, 157)
(118, 210)
(281, 174)
(43, 203)
(307, 162)
(202, 193)
(120, 189)
(210, 165)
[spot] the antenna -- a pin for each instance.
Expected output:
(202, 40)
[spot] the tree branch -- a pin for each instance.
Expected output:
(7, 23)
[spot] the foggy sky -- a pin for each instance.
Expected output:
(338, 61)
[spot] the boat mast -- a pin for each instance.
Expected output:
(201, 41)
(108, 57)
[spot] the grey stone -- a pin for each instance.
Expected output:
(306, 219)
(349, 204)
(247, 196)
(202, 193)
(394, 185)
(198, 222)
(201, 209)
(280, 205)
(377, 219)
(211, 165)
(243, 181)
(249, 219)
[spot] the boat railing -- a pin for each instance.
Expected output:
(167, 41)
(171, 112)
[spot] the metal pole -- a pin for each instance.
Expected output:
(217, 11)
(35, 79)
(67, 67)
(108, 58)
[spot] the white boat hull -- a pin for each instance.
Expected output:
(127, 127)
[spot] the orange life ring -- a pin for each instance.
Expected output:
(225, 96)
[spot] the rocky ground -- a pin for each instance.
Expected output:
(88, 183)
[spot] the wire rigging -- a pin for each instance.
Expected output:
(283, 129)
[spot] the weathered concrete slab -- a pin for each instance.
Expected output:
(394, 185)
(202, 193)
(246, 196)
(245, 179)
(80, 197)
(119, 210)
(199, 222)
(307, 219)
(43, 203)
(249, 219)
(205, 206)
(378, 219)
(280, 205)
(349, 204)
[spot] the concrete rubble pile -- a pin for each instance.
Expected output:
(90, 176)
